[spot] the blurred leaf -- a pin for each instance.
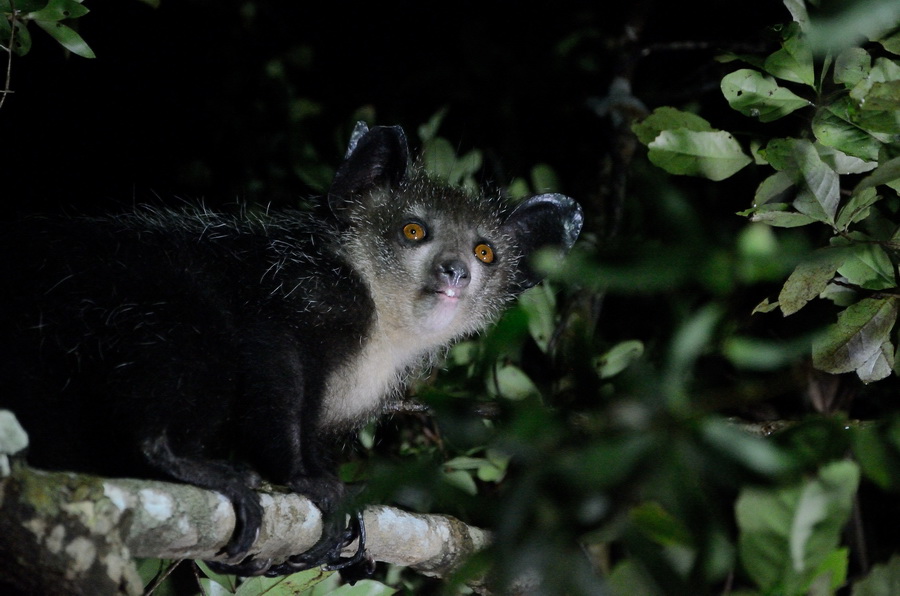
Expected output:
(428, 131)
(283, 586)
(618, 358)
(366, 587)
(789, 536)
(891, 42)
(880, 462)
(510, 382)
(57, 10)
(851, 23)
(667, 118)
(883, 580)
(759, 96)
(628, 578)
(713, 155)
(67, 37)
(859, 341)
(754, 453)
(441, 161)
(660, 525)
(462, 480)
(539, 303)
(544, 179)
(753, 353)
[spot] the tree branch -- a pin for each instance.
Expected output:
(63, 533)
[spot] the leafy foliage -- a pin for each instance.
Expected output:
(53, 16)
(600, 429)
(853, 130)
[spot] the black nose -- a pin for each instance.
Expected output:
(454, 272)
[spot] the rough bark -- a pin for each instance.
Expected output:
(63, 533)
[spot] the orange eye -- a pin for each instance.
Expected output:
(413, 231)
(484, 253)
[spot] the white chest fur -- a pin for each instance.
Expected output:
(357, 390)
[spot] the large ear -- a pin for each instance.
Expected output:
(376, 157)
(549, 220)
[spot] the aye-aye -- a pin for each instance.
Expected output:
(220, 349)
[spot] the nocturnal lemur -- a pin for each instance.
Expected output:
(220, 349)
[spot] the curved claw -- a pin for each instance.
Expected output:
(356, 529)
(327, 551)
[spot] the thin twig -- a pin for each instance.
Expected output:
(12, 37)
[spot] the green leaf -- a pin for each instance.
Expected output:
(773, 188)
(836, 127)
(851, 23)
(886, 173)
(462, 480)
(666, 118)
(755, 453)
(859, 341)
(512, 383)
(628, 578)
(842, 163)
(753, 353)
(67, 37)
(820, 194)
(852, 66)
(660, 525)
(879, 461)
(891, 42)
(883, 97)
(539, 303)
(794, 61)
(756, 95)
(544, 179)
(868, 266)
(777, 215)
(57, 10)
(789, 536)
(856, 209)
(283, 586)
(440, 160)
(714, 155)
(22, 40)
(617, 359)
(883, 580)
(809, 279)
(428, 131)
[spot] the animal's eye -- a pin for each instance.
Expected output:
(414, 231)
(484, 253)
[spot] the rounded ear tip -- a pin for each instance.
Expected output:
(571, 215)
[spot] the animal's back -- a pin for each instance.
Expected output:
(118, 327)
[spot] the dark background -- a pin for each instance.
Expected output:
(204, 99)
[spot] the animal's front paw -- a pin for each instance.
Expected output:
(327, 551)
(325, 491)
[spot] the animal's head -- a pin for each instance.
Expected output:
(440, 262)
